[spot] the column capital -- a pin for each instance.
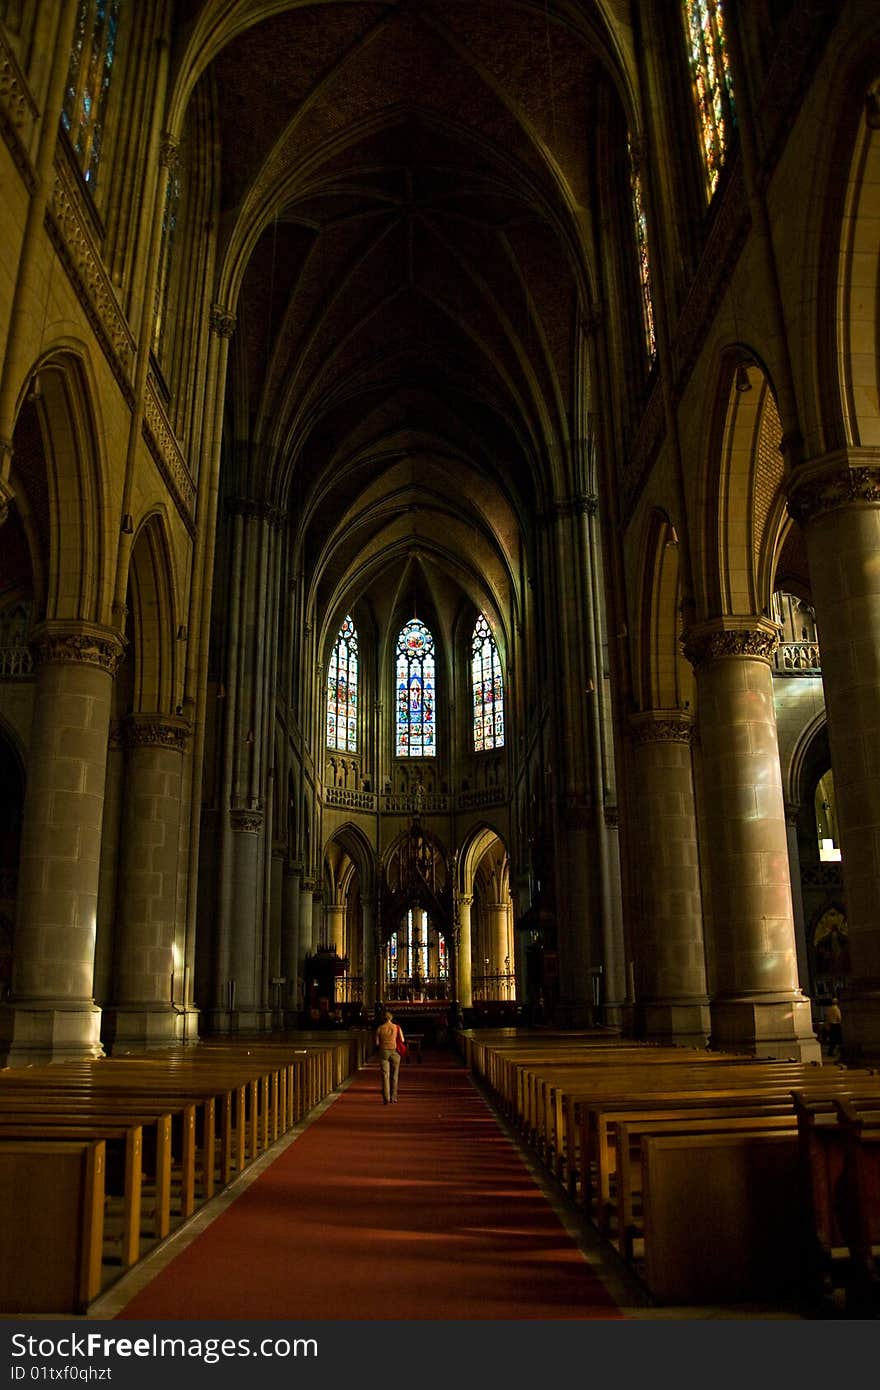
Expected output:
(846, 478)
(153, 731)
(250, 822)
(221, 321)
(723, 638)
(63, 642)
(661, 726)
(255, 509)
(169, 151)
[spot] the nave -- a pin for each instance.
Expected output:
(430, 1209)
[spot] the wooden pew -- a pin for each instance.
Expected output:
(721, 1217)
(51, 1215)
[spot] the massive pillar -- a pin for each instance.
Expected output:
(756, 1002)
(306, 905)
(143, 1012)
(247, 1006)
(51, 1015)
(670, 965)
(837, 502)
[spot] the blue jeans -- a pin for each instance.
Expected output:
(389, 1061)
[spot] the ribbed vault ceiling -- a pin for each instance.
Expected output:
(405, 239)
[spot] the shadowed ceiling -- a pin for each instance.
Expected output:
(406, 241)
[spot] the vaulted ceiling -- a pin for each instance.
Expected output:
(407, 242)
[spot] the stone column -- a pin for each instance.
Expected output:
(276, 911)
(499, 938)
(334, 926)
(245, 949)
(306, 904)
(368, 917)
(756, 1003)
(463, 976)
(143, 1013)
(51, 1015)
(670, 964)
(836, 500)
(792, 814)
(291, 955)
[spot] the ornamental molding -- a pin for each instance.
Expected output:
(67, 229)
(249, 822)
(661, 726)
(843, 480)
(757, 640)
(77, 647)
(169, 152)
(168, 455)
(18, 114)
(153, 731)
(221, 321)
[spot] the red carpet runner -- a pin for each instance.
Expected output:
(423, 1209)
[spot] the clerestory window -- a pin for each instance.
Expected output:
(342, 690)
(488, 688)
(711, 83)
(416, 693)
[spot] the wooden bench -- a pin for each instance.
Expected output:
(721, 1217)
(51, 1215)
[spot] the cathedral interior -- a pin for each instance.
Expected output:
(440, 451)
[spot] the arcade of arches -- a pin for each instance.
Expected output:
(440, 484)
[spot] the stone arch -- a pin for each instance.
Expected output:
(663, 679)
(154, 610)
(63, 474)
(746, 508)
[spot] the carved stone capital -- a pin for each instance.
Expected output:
(154, 731)
(77, 644)
(249, 822)
(169, 151)
(221, 321)
(725, 638)
(842, 480)
(661, 726)
(255, 509)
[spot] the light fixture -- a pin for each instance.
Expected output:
(128, 524)
(671, 537)
(741, 380)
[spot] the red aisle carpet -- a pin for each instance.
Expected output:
(418, 1210)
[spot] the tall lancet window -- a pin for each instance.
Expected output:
(711, 82)
(88, 80)
(342, 691)
(488, 688)
(416, 692)
(641, 226)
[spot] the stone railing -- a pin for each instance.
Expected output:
(796, 658)
(481, 796)
(16, 663)
(349, 799)
(407, 803)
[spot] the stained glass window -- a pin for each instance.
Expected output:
(711, 82)
(488, 688)
(641, 224)
(342, 691)
(166, 255)
(416, 691)
(88, 80)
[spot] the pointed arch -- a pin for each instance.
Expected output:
(663, 679)
(154, 610)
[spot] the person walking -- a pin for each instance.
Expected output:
(389, 1039)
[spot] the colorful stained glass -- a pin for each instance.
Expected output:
(88, 80)
(342, 691)
(711, 82)
(641, 225)
(415, 725)
(488, 689)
